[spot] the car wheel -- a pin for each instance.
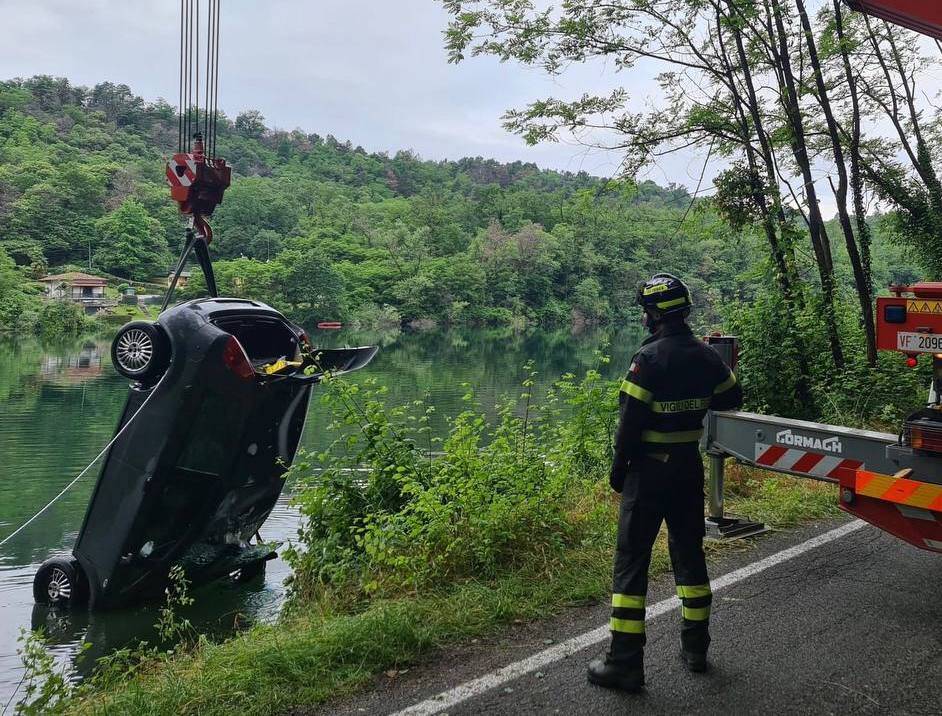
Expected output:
(59, 582)
(140, 351)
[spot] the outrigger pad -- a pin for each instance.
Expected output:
(732, 528)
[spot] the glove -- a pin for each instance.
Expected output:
(617, 477)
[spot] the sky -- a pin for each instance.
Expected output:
(371, 71)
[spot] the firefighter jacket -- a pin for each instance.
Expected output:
(673, 380)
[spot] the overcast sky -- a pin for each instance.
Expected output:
(371, 71)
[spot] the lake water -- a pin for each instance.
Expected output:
(59, 405)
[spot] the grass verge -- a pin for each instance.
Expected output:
(321, 651)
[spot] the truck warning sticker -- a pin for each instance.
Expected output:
(920, 306)
(919, 342)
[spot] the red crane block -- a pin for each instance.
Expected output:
(197, 183)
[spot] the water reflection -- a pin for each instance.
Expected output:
(59, 405)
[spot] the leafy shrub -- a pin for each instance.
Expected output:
(791, 373)
(371, 315)
(62, 318)
(388, 508)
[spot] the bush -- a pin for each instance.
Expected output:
(791, 373)
(370, 315)
(62, 318)
(390, 509)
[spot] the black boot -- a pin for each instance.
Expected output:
(612, 674)
(694, 643)
(695, 661)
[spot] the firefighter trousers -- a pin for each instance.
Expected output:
(661, 488)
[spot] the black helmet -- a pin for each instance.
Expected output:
(664, 295)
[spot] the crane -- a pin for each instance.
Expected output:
(893, 481)
(196, 176)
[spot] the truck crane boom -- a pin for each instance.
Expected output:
(923, 16)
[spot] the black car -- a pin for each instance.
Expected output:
(211, 423)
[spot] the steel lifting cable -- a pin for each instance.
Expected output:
(209, 51)
(88, 467)
(189, 121)
(180, 90)
(187, 72)
(211, 104)
(196, 114)
(216, 76)
(216, 79)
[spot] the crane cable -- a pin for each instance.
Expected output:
(88, 467)
(190, 122)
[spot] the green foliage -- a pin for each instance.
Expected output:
(771, 369)
(18, 300)
(130, 243)
(776, 500)
(515, 532)
(171, 627)
(61, 319)
(323, 229)
(777, 381)
(390, 509)
(45, 688)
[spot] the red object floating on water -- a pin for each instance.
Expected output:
(330, 325)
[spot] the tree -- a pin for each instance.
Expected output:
(311, 287)
(250, 124)
(58, 214)
(745, 80)
(129, 242)
(253, 212)
(15, 295)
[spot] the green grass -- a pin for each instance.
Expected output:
(316, 652)
(124, 313)
(778, 501)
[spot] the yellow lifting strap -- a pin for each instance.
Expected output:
(280, 365)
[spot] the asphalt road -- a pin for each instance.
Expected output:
(850, 626)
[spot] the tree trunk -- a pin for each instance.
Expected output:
(781, 256)
(819, 237)
(856, 175)
(841, 190)
(781, 250)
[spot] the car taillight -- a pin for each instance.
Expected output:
(923, 436)
(233, 355)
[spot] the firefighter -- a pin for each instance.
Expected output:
(673, 379)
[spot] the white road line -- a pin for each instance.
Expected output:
(475, 687)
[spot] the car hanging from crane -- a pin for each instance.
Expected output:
(217, 404)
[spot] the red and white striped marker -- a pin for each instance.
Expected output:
(813, 464)
(177, 176)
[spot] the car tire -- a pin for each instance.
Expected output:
(140, 351)
(59, 582)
